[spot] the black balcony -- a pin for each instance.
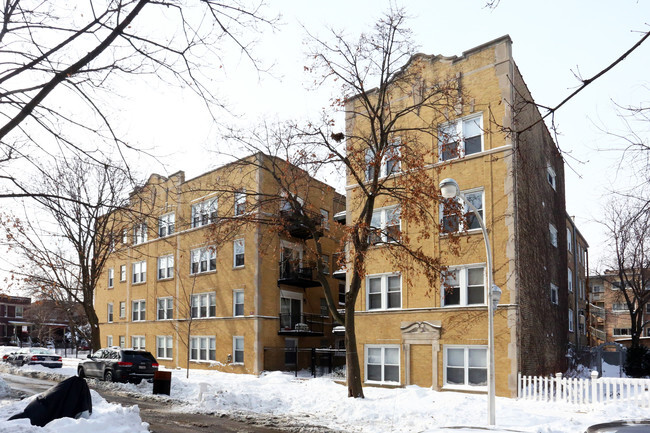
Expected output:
(300, 224)
(293, 274)
(303, 325)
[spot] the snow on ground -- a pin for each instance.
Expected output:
(324, 402)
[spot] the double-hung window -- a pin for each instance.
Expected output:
(125, 236)
(325, 219)
(569, 243)
(464, 286)
(165, 267)
(465, 366)
(460, 138)
(240, 202)
(569, 280)
(138, 309)
(570, 320)
(390, 161)
(238, 350)
(139, 272)
(164, 347)
(238, 253)
(122, 309)
(382, 363)
(204, 213)
(122, 273)
(111, 277)
(204, 305)
(619, 306)
(166, 224)
(203, 260)
(550, 176)
(203, 349)
(110, 313)
(383, 292)
(138, 342)
(238, 303)
(139, 233)
(451, 210)
(386, 225)
(553, 234)
(555, 294)
(165, 308)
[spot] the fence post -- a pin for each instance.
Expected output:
(313, 361)
(519, 386)
(559, 391)
(594, 395)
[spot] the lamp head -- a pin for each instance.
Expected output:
(495, 294)
(449, 188)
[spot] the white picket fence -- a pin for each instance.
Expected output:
(585, 393)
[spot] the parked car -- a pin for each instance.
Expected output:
(35, 356)
(115, 364)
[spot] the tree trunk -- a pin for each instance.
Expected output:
(355, 388)
(93, 321)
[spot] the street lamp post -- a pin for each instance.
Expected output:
(449, 189)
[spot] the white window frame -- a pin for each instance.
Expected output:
(456, 128)
(553, 234)
(138, 310)
(240, 202)
(462, 279)
(122, 309)
(325, 219)
(383, 293)
(466, 367)
(384, 217)
(204, 213)
(198, 256)
(238, 301)
(125, 236)
(326, 264)
(203, 346)
(616, 332)
(109, 341)
(19, 311)
(122, 273)
(140, 233)
(463, 224)
(167, 310)
(570, 320)
(569, 242)
(239, 250)
(122, 340)
(166, 224)
(109, 312)
(165, 269)
(570, 280)
(619, 307)
(138, 342)
(238, 350)
(555, 294)
(111, 277)
(551, 176)
(139, 272)
(200, 301)
(382, 363)
(164, 347)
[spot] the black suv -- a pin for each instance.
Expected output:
(115, 364)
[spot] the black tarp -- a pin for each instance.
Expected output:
(69, 398)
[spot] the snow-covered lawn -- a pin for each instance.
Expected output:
(322, 402)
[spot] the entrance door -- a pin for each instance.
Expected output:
(291, 311)
(421, 365)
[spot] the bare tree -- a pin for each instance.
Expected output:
(65, 249)
(78, 52)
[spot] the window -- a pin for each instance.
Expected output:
(382, 363)
(550, 175)
(110, 313)
(122, 341)
(238, 350)
(555, 295)
(553, 232)
(138, 310)
(165, 267)
(460, 138)
(570, 320)
(385, 225)
(464, 286)
(621, 332)
(139, 272)
(238, 303)
(203, 349)
(383, 292)
(619, 306)
(165, 308)
(390, 161)
(324, 309)
(647, 332)
(569, 244)
(139, 233)
(341, 294)
(597, 289)
(203, 260)
(125, 236)
(111, 277)
(326, 264)
(122, 273)
(570, 280)
(325, 219)
(449, 218)
(238, 253)
(240, 202)
(647, 308)
(166, 224)
(204, 213)
(19, 311)
(109, 341)
(204, 305)
(164, 346)
(137, 342)
(122, 309)
(465, 366)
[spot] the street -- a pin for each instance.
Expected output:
(161, 417)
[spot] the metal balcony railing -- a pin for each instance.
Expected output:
(302, 324)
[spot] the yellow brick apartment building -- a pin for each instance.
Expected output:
(180, 288)
(506, 163)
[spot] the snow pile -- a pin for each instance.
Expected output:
(5, 390)
(106, 417)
